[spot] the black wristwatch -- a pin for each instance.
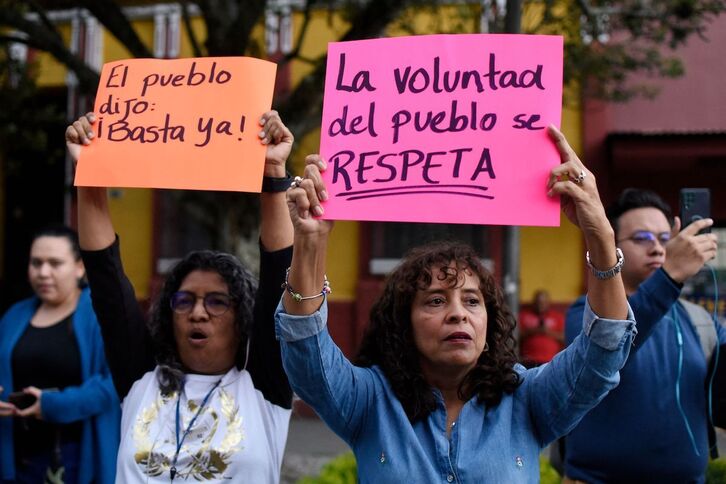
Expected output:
(272, 184)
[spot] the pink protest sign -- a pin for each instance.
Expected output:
(442, 128)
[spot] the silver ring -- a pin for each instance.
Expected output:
(296, 182)
(580, 177)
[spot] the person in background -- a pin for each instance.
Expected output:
(653, 428)
(204, 394)
(62, 421)
(541, 331)
(438, 395)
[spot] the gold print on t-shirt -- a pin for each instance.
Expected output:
(153, 463)
(197, 461)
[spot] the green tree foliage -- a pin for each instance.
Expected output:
(716, 471)
(342, 470)
(22, 116)
(606, 39)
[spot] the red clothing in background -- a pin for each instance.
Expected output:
(540, 347)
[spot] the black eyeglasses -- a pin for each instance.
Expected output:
(215, 303)
(646, 237)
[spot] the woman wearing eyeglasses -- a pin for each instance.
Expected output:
(203, 391)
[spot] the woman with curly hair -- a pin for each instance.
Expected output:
(204, 395)
(438, 395)
(392, 343)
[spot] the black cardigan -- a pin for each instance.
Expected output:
(127, 340)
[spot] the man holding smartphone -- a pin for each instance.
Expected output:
(654, 426)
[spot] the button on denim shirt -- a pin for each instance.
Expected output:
(499, 444)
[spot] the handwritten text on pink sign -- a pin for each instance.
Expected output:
(442, 128)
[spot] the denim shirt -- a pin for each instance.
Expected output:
(486, 444)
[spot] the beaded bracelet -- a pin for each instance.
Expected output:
(299, 297)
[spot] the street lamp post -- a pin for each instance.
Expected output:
(510, 259)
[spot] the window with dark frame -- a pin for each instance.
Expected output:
(390, 241)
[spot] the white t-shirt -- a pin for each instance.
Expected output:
(238, 436)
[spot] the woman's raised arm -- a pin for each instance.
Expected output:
(125, 335)
(581, 203)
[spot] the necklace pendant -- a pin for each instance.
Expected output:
(172, 471)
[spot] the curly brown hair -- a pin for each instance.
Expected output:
(389, 342)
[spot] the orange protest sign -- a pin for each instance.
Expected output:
(182, 123)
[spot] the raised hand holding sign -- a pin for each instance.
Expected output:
(183, 123)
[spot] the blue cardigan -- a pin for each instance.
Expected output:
(94, 401)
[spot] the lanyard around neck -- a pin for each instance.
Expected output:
(180, 442)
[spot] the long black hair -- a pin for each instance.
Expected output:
(389, 341)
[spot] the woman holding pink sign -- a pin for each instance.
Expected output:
(204, 395)
(438, 395)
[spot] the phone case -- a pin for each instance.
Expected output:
(21, 400)
(695, 205)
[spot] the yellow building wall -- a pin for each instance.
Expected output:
(343, 260)
(200, 32)
(132, 215)
(52, 73)
(552, 257)
(323, 27)
(114, 50)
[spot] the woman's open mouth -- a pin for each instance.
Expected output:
(197, 338)
(458, 337)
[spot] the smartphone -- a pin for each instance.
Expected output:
(695, 205)
(21, 400)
